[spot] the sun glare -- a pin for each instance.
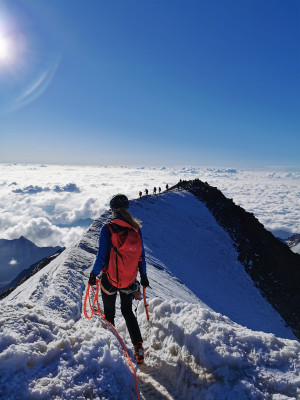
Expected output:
(5, 49)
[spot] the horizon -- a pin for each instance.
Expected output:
(283, 168)
(196, 82)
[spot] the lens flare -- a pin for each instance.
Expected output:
(4, 48)
(7, 50)
(30, 54)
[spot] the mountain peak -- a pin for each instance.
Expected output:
(24, 239)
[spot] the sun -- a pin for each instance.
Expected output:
(5, 49)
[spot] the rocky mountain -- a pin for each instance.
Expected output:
(19, 254)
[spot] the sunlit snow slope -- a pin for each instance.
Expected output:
(198, 342)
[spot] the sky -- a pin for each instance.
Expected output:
(153, 82)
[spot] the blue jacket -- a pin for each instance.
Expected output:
(102, 257)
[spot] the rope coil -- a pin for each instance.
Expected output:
(95, 309)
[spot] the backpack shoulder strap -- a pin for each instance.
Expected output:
(122, 224)
(113, 229)
(116, 228)
(110, 228)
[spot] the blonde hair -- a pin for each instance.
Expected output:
(135, 223)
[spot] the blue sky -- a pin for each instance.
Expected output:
(150, 82)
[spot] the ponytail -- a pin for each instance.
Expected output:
(135, 223)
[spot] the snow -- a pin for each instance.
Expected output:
(296, 248)
(43, 358)
(186, 238)
(197, 344)
(199, 354)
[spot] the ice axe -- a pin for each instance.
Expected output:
(145, 302)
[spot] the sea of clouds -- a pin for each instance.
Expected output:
(53, 205)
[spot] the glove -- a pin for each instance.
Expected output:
(92, 279)
(144, 280)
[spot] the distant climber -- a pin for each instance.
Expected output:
(167, 187)
(154, 190)
(159, 189)
(140, 194)
(120, 256)
(146, 191)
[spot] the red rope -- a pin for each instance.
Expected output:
(98, 311)
(92, 306)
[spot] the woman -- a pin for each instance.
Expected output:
(120, 255)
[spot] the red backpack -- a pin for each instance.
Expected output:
(125, 253)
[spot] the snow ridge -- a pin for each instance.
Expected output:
(49, 350)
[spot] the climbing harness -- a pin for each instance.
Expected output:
(133, 289)
(95, 309)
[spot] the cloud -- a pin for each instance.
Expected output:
(226, 171)
(31, 190)
(70, 187)
(87, 210)
(52, 201)
(222, 171)
(8, 219)
(43, 233)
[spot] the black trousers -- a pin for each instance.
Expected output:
(109, 302)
